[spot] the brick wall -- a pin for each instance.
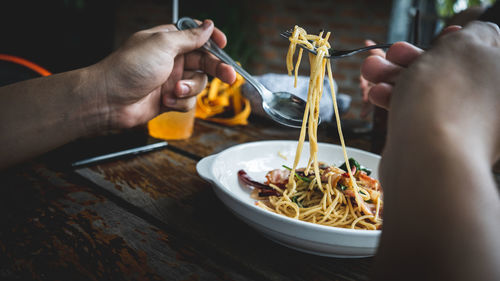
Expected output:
(350, 21)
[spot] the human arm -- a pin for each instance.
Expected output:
(143, 78)
(441, 202)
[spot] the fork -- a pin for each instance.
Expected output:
(336, 54)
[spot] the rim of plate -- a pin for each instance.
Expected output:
(357, 232)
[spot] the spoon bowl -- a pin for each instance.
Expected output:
(290, 109)
(282, 107)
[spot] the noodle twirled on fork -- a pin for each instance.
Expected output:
(344, 196)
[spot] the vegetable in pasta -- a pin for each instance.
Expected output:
(344, 196)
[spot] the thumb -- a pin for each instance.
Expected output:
(376, 52)
(191, 39)
(450, 29)
(369, 42)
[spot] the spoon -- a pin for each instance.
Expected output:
(283, 107)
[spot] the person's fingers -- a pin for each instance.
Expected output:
(403, 53)
(366, 109)
(192, 83)
(380, 95)
(375, 52)
(376, 69)
(449, 29)
(217, 36)
(173, 92)
(179, 104)
(183, 41)
(209, 64)
(365, 87)
(369, 42)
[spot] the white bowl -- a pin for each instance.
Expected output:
(257, 158)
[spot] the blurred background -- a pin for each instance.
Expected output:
(61, 35)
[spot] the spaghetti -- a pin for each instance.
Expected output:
(344, 196)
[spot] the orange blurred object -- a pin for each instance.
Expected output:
(223, 103)
(217, 99)
(33, 66)
(172, 125)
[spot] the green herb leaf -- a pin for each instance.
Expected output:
(297, 175)
(294, 200)
(359, 167)
(352, 162)
(366, 170)
(341, 187)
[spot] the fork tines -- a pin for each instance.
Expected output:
(286, 34)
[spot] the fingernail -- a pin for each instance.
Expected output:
(184, 89)
(207, 24)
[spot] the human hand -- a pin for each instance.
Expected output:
(157, 70)
(381, 72)
(443, 138)
(451, 91)
(366, 85)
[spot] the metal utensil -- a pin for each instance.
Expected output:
(335, 54)
(283, 107)
(120, 154)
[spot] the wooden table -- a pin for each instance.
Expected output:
(150, 217)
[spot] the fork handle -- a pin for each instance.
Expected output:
(340, 54)
(378, 46)
(210, 46)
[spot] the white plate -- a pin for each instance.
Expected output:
(257, 158)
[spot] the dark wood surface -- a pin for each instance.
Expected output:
(150, 217)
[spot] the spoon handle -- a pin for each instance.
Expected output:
(210, 46)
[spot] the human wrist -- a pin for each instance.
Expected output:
(464, 134)
(438, 189)
(418, 152)
(92, 105)
(442, 137)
